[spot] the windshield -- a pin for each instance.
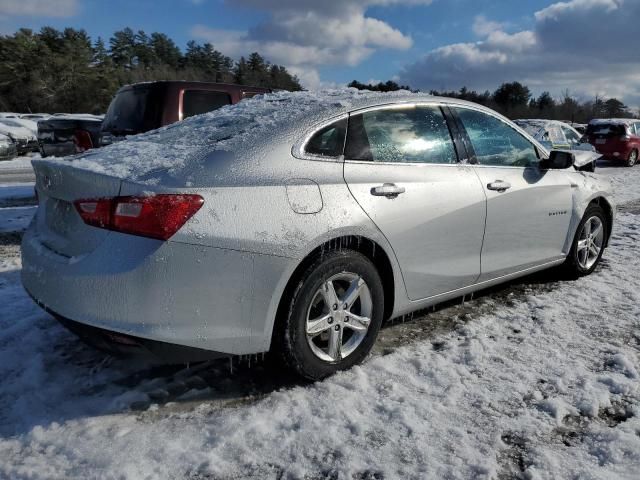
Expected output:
(132, 111)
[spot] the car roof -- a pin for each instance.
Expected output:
(613, 121)
(275, 120)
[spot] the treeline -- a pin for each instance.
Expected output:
(515, 100)
(65, 71)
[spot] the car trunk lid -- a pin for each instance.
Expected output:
(58, 225)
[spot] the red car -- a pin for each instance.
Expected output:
(146, 106)
(616, 139)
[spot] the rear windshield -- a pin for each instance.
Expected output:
(134, 110)
(607, 129)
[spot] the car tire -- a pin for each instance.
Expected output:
(632, 159)
(315, 338)
(588, 243)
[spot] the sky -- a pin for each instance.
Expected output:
(585, 47)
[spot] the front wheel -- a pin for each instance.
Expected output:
(589, 242)
(334, 315)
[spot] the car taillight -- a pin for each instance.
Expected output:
(157, 216)
(83, 141)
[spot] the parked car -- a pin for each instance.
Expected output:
(556, 135)
(146, 106)
(62, 135)
(296, 223)
(616, 139)
(8, 149)
(23, 136)
(34, 116)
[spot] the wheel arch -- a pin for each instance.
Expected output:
(364, 245)
(608, 210)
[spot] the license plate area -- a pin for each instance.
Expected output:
(601, 141)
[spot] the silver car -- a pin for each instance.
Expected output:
(298, 223)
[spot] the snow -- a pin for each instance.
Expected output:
(16, 219)
(537, 380)
(613, 121)
(23, 162)
(16, 191)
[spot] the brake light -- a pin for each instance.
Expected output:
(83, 141)
(158, 216)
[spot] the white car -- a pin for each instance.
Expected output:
(25, 138)
(297, 222)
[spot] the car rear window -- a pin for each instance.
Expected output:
(195, 102)
(134, 110)
(607, 129)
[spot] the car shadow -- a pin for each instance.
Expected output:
(48, 375)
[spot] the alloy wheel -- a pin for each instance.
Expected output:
(590, 242)
(339, 316)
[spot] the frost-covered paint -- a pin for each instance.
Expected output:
(217, 283)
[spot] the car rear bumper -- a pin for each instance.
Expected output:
(615, 152)
(175, 293)
(120, 344)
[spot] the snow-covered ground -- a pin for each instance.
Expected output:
(23, 162)
(538, 379)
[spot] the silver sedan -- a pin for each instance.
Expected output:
(298, 223)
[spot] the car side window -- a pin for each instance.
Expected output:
(572, 137)
(637, 124)
(408, 135)
(556, 135)
(195, 102)
(328, 141)
(495, 142)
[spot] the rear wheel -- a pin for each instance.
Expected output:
(589, 243)
(632, 159)
(334, 315)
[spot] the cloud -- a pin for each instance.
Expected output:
(39, 8)
(306, 34)
(482, 26)
(586, 46)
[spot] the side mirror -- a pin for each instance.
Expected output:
(558, 160)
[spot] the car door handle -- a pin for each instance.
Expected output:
(389, 190)
(499, 186)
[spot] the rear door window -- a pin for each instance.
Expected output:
(410, 135)
(195, 102)
(495, 142)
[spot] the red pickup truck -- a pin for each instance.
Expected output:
(146, 106)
